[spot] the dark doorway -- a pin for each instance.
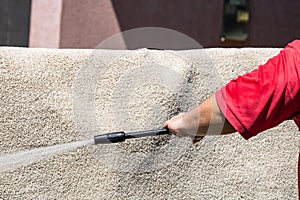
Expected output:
(14, 22)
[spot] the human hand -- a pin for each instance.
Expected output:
(204, 119)
(185, 125)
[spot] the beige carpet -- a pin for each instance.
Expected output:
(50, 99)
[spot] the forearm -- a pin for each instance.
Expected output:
(211, 119)
(205, 119)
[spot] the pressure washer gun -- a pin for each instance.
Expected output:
(116, 137)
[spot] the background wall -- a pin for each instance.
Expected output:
(51, 98)
(86, 23)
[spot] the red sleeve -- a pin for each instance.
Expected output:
(265, 97)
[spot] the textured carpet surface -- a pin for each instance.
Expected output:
(50, 99)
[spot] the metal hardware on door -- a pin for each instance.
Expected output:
(235, 21)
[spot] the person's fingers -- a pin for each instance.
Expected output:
(181, 126)
(169, 127)
(171, 124)
(166, 124)
(176, 125)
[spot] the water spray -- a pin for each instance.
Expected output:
(116, 137)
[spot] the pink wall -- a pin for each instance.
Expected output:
(45, 24)
(85, 23)
(71, 23)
